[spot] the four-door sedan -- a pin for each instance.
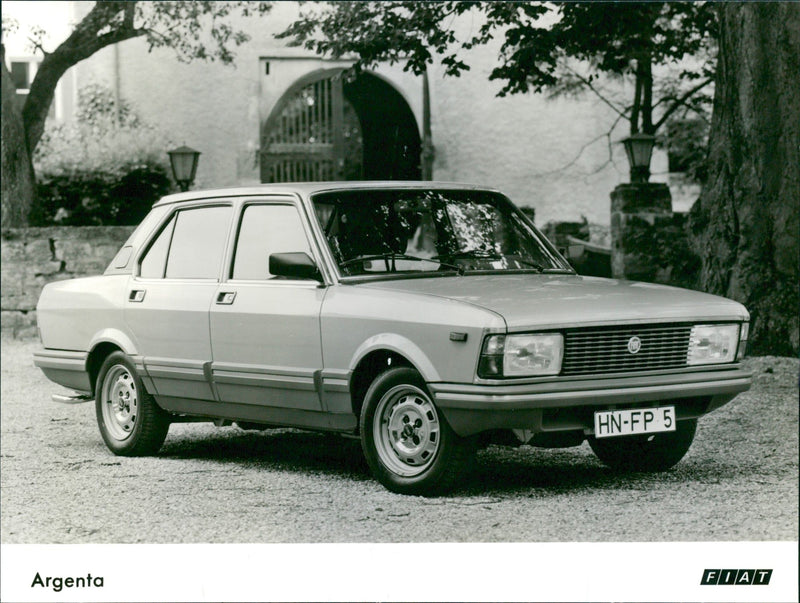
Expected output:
(423, 318)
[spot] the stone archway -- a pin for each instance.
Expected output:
(331, 127)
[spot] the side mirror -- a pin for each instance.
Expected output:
(294, 265)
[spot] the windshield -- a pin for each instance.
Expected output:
(374, 232)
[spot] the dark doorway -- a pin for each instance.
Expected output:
(329, 126)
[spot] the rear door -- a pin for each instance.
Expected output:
(265, 330)
(169, 297)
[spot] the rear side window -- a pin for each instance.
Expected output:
(190, 245)
(266, 229)
(198, 242)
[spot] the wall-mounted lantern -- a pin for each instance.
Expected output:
(184, 165)
(639, 148)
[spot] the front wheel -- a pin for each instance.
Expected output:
(130, 421)
(653, 452)
(409, 447)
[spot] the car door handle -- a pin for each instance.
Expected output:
(136, 295)
(226, 297)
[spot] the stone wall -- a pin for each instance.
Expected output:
(638, 212)
(649, 241)
(32, 257)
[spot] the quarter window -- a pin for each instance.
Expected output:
(266, 229)
(155, 260)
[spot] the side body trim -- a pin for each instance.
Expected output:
(178, 377)
(335, 390)
(259, 385)
(268, 415)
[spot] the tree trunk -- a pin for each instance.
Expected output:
(16, 180)
(106, 24)
(647, 96)
(746, 222)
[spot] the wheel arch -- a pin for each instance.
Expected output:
(104, 344)
(377, 354)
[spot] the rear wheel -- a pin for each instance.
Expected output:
(652, 452)
(130, 421)
(408, 445)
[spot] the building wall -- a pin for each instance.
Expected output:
(526, 145)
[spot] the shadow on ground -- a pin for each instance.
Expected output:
(496, 470)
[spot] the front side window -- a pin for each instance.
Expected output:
(264, 230)
(416, 231)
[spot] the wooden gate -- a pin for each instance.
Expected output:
(313, 134)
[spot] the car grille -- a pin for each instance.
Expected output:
(605, 350)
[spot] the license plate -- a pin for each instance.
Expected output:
(608, 423)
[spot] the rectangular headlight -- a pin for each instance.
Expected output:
(521, 355)
(712, 344)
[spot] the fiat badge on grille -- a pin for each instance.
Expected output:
(634, 344)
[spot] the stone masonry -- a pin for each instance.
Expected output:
(33, 257)
(638, 213)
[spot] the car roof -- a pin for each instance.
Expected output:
(305, 189)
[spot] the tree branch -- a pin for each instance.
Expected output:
(703, 117)
(588, 84)
(606, 135)
(681, 101)
(647, 96)
(637, 100)
(82, 43)
(128, 15)
(37, 45)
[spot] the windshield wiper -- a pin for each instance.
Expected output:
(559, 271)
(400, 256)
(479, 254)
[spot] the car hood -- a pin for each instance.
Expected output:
(538, 300)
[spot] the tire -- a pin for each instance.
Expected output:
(408, 445)
(654, 452)
(130, 421)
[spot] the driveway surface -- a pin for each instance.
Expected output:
(59, 483)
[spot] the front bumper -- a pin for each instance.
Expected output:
(472, 408)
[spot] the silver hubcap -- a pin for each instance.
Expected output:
(406, 430)
(120, 402)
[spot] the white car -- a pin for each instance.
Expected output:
(417, 316)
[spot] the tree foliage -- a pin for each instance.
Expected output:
(107, 167)
(195, 30)
(557, 48)
(99, 107)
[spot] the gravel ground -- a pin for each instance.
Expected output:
(59, 484)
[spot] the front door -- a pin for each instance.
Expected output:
(265, 330)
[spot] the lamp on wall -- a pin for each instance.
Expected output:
(184, 165)
(639, 148)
